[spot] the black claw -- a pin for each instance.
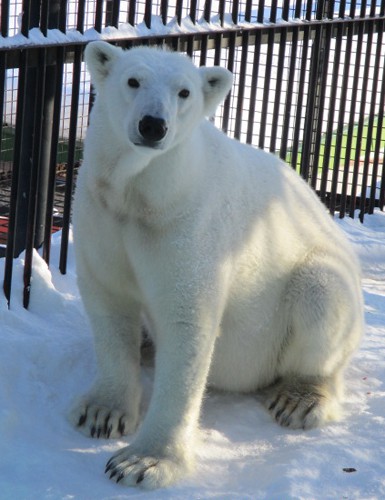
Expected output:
(309, 409)
(121, 427)
(120, 477)
(108, 465)
(286, 421)
(82, 419)
(140, 477)
(93, 431)
(108, 432)
(106, 427)
(279, 413)
(113, 473)
(273, 404)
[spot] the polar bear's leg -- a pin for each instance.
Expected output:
(163, 448)
(324, 324)
(111, 408)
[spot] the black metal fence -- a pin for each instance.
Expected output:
(309, 86)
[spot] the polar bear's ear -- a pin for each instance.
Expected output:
(99, 57)
(217, 83)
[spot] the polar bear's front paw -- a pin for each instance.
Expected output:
(149, 472)
(102, 422)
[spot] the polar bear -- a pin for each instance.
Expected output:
(244, 279)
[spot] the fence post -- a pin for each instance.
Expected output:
(46, 135)
(23, 157)
(314, 108)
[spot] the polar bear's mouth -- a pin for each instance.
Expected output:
(149, 144)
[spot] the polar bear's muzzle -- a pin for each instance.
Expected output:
(152, 131)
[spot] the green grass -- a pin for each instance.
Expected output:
(8, 141)
(344, 143)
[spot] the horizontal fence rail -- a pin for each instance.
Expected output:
(309, 86)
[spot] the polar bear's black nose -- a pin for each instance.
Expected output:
(152, 129)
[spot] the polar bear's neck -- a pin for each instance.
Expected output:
(132, 184)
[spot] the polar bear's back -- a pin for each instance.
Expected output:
(268, 191)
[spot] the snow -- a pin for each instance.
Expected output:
(125, 30)
(47, 359)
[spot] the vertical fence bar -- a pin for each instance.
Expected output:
(230, 62)
(108, 16)
(164, 11)
(193, 11)
(207, 10)
(341, 126)
(63, 16)
(34, 176)
(351, 127)
(230, 67)
(261, 11)
(99, 15)
(380, 122)
(366, 157)
(132, 12)
(53, 153)
(289, 96)
(273, 11)
(312, 107)
(179, 10)
(372, 116)
(4, 10)
(115, 13)
(352, 12)
(3, 72)
(51, 21)
(285, 10)
(221, 11)
(148, 13)
(235, 12)
(25, 132)
(254, 85)
(71, 159)
(10, 250)
(325, 184)
(81, 15)
(278, 89)
(296, 154)
(320, 109)
(308, 168)
(359, 137)
(241, 85)
(379, 115)
(242, 71)
(266, 89)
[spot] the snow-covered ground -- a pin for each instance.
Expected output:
(46, 359)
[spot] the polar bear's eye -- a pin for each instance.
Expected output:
(184, 93)
(133, 83)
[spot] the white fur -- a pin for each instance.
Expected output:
(244, 278)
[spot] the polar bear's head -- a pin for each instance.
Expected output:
(153, 98)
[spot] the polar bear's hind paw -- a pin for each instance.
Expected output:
(300, 405)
